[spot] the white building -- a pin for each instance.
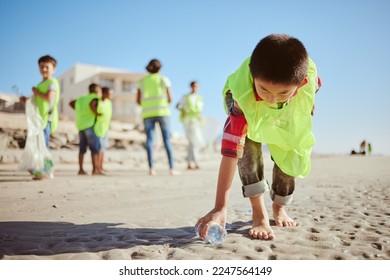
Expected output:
(10, 103)
(75, 82)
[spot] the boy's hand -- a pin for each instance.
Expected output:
(34, 90)
(218, 216)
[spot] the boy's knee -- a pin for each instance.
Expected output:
(255, 189)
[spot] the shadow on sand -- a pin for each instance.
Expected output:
(51, 238)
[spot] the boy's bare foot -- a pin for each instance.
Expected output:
(98, 173)
(281, 217)
(82, 172)
(152, 172)
(261, 229)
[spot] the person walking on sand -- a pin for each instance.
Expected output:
(46, 95)
(86, 115)
(154, 96)
(270, 100)
(191, 106)
(103, 121)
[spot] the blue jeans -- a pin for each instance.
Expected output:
(89, 139)
(46, 134)
(149, 124)
(103, 142)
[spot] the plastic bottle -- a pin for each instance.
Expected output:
(215, 235)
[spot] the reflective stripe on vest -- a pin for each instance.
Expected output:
(286, 131)
(154, 99)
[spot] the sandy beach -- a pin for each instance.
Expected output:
(342, 210)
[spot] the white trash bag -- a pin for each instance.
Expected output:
(36, 157)
(194, 133)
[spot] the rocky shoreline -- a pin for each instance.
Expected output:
(13, 134)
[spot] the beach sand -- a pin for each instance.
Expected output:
(342, 210)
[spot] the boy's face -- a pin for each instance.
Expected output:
(46, 69)
(108, 94)
(194, 87)
(274, 93)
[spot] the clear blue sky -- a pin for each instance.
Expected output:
(206, 41)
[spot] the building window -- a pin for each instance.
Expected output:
(104, 82)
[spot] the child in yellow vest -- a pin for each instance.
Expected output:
(47, 95)
(86, 114)
(103, 121)
(270, 100)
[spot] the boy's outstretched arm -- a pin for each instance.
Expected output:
(233, 141)
(218, 214)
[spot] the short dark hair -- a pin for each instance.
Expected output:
(93, 87)
(279, 59)
(153, 66)
(49, 59)
(105, 89)
(193, 83)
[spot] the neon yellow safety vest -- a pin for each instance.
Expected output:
(192, 107)
(44, 105)
(286, 131)
(85, 117)
(103, 121)
(154, 99)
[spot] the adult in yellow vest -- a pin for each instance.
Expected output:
(46, 96)
(191, 106)
(270, 100)
(86, 109)
(103, 121)
(154, 97)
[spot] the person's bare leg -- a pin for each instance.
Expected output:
(283, 187)
(261, 228)
(95, 165)
(281, 217)
(81, 162)
(101, 160)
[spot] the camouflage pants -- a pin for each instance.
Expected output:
(251, 170)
